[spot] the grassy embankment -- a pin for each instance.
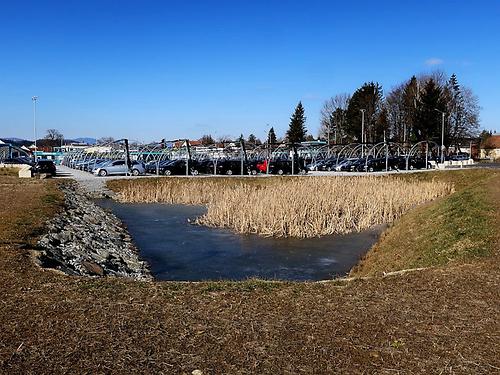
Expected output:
(440, 320)
(457, 228)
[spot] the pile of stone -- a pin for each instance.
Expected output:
(86, 240)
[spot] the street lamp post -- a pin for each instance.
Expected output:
(328, 133)
(443, 114)
(34, 99)
(442, 137)
(362, 132)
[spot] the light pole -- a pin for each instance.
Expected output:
(362, 131)
(34, 99)
(443, 114)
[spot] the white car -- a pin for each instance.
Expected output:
(117, 167)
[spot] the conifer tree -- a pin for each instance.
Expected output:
(297, 130)
(271, 137)
(369, 98)
(428, 120)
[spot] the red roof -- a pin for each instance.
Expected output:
(182, 143)
(491, 142)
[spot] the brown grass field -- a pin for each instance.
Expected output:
(440, 320)
(292, 207)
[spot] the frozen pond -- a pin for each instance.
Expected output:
(177, 250)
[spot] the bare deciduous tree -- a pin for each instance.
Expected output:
(332, 117)
(54, 135)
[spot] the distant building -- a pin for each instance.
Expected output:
(490, 148)
(72, 147)
(182, 143)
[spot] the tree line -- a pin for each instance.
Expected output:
(412, 111)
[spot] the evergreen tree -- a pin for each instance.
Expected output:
(309, 138)
(370, 98)
(428, 120)
(297, 131)
(271, 137)
(252, 139)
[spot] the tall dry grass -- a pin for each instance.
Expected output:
(289, 207)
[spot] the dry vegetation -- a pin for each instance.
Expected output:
(292, 207)
(8, 171)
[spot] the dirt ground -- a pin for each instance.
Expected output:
(442, 320)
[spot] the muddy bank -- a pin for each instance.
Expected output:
(83, 239)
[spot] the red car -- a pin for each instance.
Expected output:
(262, 167)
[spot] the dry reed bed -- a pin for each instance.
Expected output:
(290, 207)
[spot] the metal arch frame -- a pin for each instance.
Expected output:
(153, 152)
(350, 147)
(10, 148)
(320, 153)
(377, 148)
(361, 147)
(307, 151)
(157, 152)
(414, 148)
(257, 153)
(282, 149)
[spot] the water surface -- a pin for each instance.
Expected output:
(178, 250)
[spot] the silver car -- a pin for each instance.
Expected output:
(115, 167)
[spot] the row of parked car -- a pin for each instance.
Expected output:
(369, 164)
(224, 167)
(105, 167)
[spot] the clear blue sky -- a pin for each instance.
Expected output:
(167, 69)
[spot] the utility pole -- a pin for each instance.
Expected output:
(363, 132)
(443, 114)
(34, 99)
(442, 137)
(404, 132)
(329, 129)
(386, 154)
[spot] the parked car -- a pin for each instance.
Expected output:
(358, 165)
(204, 166)
(178, 167)
(316, 165)
(413, 163)
(345, 165)
(252, 166)
(329, 164)
(117, 167)
(262, 166)
(380, 164)
(281, 167)
(45, 166)
(156, 166)
(90, 164)
(459, 157)
(230, 166)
